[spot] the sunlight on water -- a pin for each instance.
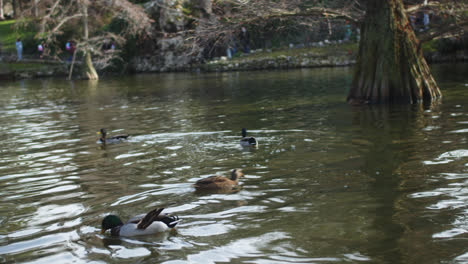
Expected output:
(328, 183)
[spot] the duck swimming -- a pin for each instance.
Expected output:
(219, 182)
(144, 224)
(247, 141)
(115, 139)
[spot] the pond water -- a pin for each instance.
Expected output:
(329, 182)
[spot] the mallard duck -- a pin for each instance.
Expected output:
(144, 224)
(105, 140)
(219, 182)
(247, 141)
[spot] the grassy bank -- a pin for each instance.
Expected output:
(328, 55)
(30, 70)
(7, 36)
(23, 66)
(330, 50)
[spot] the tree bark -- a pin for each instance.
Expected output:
(89, 68)
(2, 17)
(390, 66)
(70, 73)
(88, 63)
(15, 8)
(206, 6)
(20, 6)
(35, 10)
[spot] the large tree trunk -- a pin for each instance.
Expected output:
(88, 63)
(20, 6)
(35, 11)
(206, 6)
(390, 65)
(14, 4)
(89, 68)
(2, 17)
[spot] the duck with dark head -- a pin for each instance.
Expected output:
(110, 140)
(145, 224)
(248, 141)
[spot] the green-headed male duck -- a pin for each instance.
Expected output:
(247, 141)
(109, 140)
(144, 224)
(219, 182)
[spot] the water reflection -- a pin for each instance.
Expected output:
(328, 183)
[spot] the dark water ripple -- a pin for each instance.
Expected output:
(329, 183)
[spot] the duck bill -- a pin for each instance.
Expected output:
(103, 231)
(174, 222)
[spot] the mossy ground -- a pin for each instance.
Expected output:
(318, 51)
(7, 36)
(10, 31)
(23, 66)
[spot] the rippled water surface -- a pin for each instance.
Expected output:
(329, 182)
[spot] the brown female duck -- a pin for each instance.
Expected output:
(220, 182)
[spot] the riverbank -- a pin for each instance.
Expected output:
(329, 54)
(323, 55)
(30, 68)
(318, 55)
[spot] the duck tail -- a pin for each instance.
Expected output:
(170, 221)
(149, 218)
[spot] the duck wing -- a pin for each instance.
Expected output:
(212, 179)
(119, 137)
(136, 219)
(248, 141)
(245, 139)
(149, 218)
